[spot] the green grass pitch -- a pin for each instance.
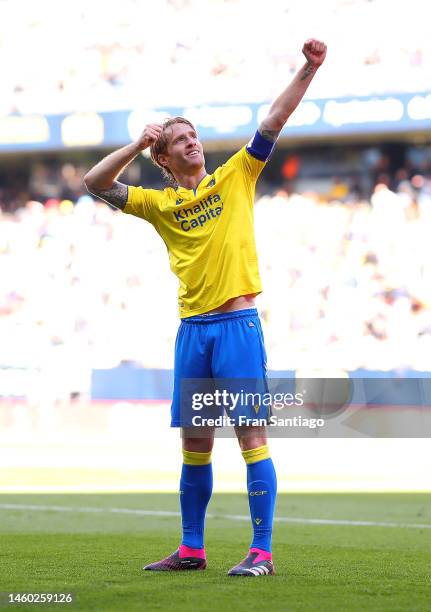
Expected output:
(78, 543)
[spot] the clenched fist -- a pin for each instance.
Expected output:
(151, 133)
(314, 51)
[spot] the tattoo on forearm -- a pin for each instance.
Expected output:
(308, 70)
(116, 195)
(270, 135)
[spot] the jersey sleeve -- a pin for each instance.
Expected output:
(247, 164)
(142, 202)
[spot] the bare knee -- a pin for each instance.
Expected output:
(251, 437)
(202, 444)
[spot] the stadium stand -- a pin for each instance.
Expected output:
(106, 67)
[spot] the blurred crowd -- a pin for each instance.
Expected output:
(41, 180)
(84, 56)
(347, 285)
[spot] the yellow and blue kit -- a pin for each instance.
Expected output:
(209, 235)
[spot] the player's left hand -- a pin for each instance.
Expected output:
(314, 51)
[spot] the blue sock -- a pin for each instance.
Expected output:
(262, 492)
(195, 492)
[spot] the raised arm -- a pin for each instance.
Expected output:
(288, 100)
(101, 180)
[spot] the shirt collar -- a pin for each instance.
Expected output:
(181, 189)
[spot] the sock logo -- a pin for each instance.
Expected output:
(258, 493)
(257, 521)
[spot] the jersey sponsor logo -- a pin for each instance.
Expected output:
(199, 214)
(203, 205)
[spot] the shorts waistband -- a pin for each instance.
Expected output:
(221, 316)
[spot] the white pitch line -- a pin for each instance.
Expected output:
(234, 517)
(88, 510)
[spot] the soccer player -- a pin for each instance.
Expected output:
(206, 222)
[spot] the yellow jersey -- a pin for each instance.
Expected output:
(208, 232)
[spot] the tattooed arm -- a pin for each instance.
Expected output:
(116, 195)
(101, 180)
(288, 100)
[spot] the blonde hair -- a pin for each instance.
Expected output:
(160, 147)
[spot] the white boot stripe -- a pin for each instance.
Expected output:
(261, 569)
(258, 570)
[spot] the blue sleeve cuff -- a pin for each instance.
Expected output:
(260, 147)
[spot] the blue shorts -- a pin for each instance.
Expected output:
(218, 346)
